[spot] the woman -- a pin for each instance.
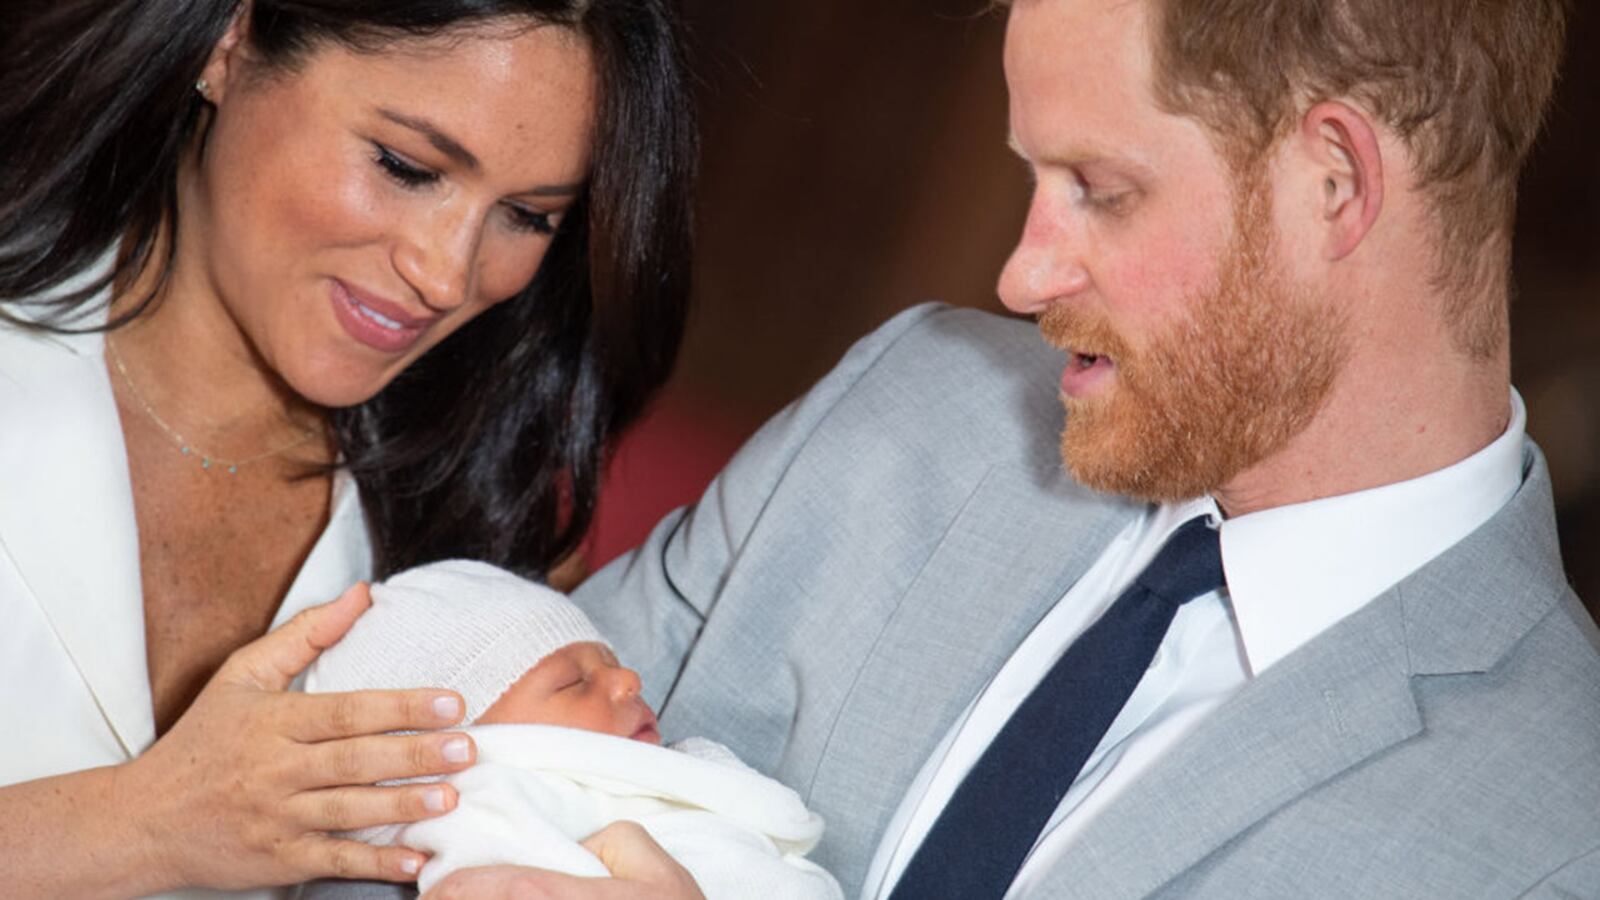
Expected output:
(304, 291)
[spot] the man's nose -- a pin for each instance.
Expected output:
(438, 256)
(1048, 262)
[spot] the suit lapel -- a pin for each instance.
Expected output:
(1340, 700)
(68, 523)
(1020, 541)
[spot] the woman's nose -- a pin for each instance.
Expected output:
(1048, 262)
(437, 259)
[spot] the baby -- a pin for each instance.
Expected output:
(566, 745)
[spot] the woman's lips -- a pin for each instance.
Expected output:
(375, 322)
(1085, 373)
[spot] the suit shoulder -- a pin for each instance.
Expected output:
(960, 381)
(956, 343)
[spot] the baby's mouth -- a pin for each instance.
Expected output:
(647, 731)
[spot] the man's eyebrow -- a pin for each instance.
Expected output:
(1088, 155)
(442, 142)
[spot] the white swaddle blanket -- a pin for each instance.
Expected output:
(537, 790)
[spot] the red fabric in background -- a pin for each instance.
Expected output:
(664, 462)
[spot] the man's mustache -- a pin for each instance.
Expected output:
(1075, 331)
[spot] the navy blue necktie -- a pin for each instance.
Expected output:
(976, 846)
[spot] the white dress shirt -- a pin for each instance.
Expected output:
(1292, 572)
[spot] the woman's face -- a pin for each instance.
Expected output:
(350, 214)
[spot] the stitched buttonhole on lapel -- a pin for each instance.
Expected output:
(1336, 711)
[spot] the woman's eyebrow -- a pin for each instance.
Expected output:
(452, 148)
(442, 142)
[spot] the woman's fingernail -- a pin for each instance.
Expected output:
(410, 865)
(433, 799)
(457, 750)
(447, 708)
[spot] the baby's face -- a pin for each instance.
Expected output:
(578, 686)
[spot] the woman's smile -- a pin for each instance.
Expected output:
(377, 323)
(352, 265)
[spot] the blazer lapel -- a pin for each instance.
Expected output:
(1322, 710)
(1021, 540)
(67, 518)
(1342, 699)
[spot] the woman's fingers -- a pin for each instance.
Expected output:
(326, 717)
(341, 858)
(364, 760)
(270, 662)
(350, 808)
(281, 769)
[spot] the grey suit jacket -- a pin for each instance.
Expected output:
(879, 549)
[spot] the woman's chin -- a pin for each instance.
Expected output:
(328, 387)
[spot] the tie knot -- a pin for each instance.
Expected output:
(1188, 565)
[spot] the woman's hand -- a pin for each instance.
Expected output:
(244, 788)
(639, 869)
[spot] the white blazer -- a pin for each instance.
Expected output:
(72, 651)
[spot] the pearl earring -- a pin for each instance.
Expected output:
(203, 87)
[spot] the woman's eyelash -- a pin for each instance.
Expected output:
(401, 171)
(527, 220)
(408, 175)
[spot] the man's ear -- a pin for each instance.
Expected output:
(1340, 143)
(227, 58)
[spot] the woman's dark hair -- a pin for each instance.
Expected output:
(491, 445)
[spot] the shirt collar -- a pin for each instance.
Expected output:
(1294, 571)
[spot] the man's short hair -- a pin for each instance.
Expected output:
(1465, 83)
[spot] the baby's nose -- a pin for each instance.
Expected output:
(624, 683)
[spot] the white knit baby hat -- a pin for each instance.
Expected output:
(462, 625)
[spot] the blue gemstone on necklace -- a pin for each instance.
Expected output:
(205, 463)
(233, 470)
(185, 451)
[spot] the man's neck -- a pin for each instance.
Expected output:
(1392, 417)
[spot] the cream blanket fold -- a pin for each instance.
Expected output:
(537, 790)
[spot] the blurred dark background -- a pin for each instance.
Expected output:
(855, 164)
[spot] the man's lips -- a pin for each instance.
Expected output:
(1085, 373)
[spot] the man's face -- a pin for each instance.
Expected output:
(1191, 354)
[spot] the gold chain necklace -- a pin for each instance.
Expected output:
(207, 460)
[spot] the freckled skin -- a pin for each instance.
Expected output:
(290, 195)
(579, 686)
(244, 352)
(1135, 233)
(1148, 255)
(1132, 208)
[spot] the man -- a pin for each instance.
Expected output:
(1274, 242)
